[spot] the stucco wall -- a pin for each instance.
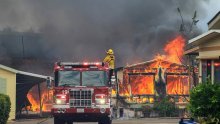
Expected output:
(11, 89)
(212, 49)
(210, 54)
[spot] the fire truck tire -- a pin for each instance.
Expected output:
(58, 121)
(105, 121)
(69, 122)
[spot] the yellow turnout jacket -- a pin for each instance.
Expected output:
(111, 60)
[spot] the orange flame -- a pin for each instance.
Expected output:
(46, 98)
(142, 84)
(173, 51)
(177, 84)
(34, 103)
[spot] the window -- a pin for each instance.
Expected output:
(69, 78)
(177, 84)
(3, 86)
(206, 70)
(94, 78)
(217, 71)
(142, 84)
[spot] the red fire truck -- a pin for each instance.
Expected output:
(82, 93)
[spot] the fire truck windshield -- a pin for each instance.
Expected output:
(94, 78)
(69, 78)
(89, 78)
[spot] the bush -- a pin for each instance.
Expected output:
(146, 110)
(165, 107)
(204, 102)
(5, 108)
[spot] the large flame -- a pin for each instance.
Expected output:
(173, 50)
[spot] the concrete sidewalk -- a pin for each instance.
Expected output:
(29, 121)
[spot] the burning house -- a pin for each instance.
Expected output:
(157, 78)
(165, 75)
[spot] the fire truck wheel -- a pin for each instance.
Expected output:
(105, 121)
(58, 121)
(69, 122)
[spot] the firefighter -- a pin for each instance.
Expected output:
(110, 58)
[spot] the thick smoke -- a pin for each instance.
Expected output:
(81, 30)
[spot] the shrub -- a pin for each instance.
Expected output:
(146, 110)
(205, 102)
(5, 107)
(165, 107)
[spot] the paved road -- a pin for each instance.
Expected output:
(130, 121)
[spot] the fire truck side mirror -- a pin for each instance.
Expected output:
(113, 80)
(48, 81)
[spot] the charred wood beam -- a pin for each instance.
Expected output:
(183, 95)
(141, 73)
(187, 74)
(143, 95)
(151, 95)
(39, 93)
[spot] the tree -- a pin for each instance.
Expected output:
(205, 102)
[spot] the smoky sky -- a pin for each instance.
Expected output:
(81, 30)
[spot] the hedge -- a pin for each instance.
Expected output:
(205, 102)
(5, 108)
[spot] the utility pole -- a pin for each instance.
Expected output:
(186, 30)
(22, 41)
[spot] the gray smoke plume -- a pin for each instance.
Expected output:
(81, 30)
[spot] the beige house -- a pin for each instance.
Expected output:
(206, 47)
(16, 85)
(8, 86)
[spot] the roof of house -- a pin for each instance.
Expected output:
(141, 63)
(216, 15)
(22, 72)
(204, 37)
(150, 62)
(214, 23)
(8, 68)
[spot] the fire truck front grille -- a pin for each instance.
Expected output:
(80, 98)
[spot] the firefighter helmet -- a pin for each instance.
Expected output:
(110, 52)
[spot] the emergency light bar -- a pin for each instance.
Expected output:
(81, 63)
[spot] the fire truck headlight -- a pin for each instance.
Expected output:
(100, 101)
(60, 101)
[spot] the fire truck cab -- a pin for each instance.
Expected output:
(82, 93)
